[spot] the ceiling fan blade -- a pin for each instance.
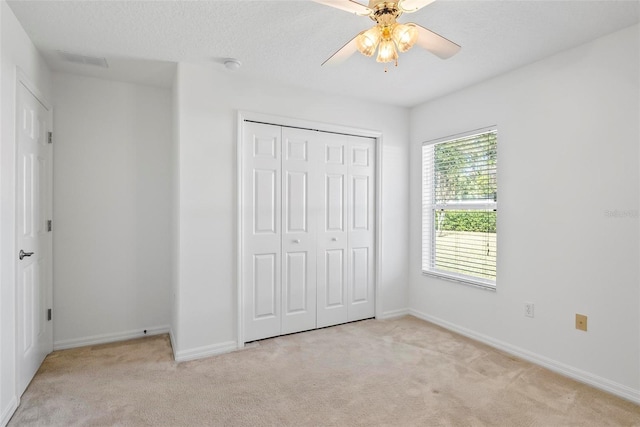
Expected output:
(343, 53)
(348, 6)
(435, 43)
(413, 5)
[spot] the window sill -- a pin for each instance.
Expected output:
(464, 281)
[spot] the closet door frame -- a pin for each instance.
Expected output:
(244, 116)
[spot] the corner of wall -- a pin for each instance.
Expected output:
(204, 351)
(175, 216)
(174, 344)
(17, 52)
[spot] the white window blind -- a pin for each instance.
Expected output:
(459, 208)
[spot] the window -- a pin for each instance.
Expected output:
(460, 208)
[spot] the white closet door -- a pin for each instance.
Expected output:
(361, 227)
(299, 180)
(308, 229)
(262, 230)
(332, 235)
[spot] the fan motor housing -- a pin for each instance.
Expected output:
(384, 12)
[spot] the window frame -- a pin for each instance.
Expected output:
(471, 205)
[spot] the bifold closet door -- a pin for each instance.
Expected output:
(333, 240)
(346, 234)
(262, 221)
(308, 229)
(280, 226)
(300, 203)
(361, 227)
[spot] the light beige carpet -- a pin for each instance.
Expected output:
(400, 372)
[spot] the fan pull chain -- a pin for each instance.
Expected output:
(385, 67)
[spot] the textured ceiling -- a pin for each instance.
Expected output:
(285, 42)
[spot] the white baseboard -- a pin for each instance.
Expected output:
(612, 387)
(394, 313)
(8, 412)
(107, 338)
(205, 351)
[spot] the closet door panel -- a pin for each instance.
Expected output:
(335, 284)
(297, 194)
(360, 275)
(361, 228)
(265, 200)
(296, 265)
(299, 234)
(332, 235)
(360, 202)
(265, 282)
(335, 211)
(261, 231)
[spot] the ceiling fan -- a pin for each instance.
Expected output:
(388, 36)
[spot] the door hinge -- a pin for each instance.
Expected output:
(50, 138)
(49, 225)
(49, 314)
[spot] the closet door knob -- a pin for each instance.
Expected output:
(335, 239)
(296, 241)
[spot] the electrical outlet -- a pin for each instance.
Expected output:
(528, 309)
(581, 322)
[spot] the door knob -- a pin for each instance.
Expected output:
(23, 254)
(296, 241)
(335, 239)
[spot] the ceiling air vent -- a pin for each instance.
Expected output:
(82, 59)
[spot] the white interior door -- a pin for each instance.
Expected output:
(34, 242)
(261, 231)
(332, 236)
(361, 227)
(299, 211)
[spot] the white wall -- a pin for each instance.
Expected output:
(112, 210)
(16, 50)
(568, 139)
(208, 102)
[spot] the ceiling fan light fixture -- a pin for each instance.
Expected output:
(388, 37)
(387, 51)
(405, 36)
(367, 41)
